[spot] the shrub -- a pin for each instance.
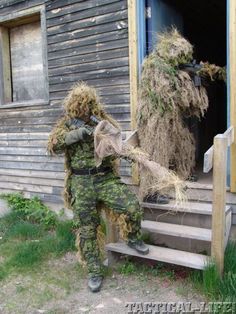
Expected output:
(30, 209)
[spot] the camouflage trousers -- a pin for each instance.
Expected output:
(89, 190)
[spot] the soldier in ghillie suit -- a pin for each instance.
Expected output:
(171, 94)
(86, 185)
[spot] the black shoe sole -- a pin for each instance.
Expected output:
(163, 202)
(140, 252)
(143, 253)
(94, 291)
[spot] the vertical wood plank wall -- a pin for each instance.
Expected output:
(87, 40)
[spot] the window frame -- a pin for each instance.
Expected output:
(6, 22)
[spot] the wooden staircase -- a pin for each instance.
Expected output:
(175, 231)
(162, 254)
(206, 221)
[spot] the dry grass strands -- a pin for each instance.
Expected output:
(193, 101)
(213, 71)
(168, 142)
(158, 178)
(124, 229)
(167, 97)
(80, 101)
(161, 178)
(57, 135)
(173, 48)
(121, 220)
(79, 254)
(101, 241)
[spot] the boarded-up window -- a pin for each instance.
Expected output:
(23, 58)
(27, 62)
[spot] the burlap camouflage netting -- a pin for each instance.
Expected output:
(108, 141)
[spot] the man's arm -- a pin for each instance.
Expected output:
(68, 132)
(61, 137)
(74, 136)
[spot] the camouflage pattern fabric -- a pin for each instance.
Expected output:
(81, 154)
(87, 191)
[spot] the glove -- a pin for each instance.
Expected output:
(81, 134)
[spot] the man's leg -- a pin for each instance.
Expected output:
(121, 200)
(84, 205)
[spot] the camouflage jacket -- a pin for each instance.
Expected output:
(80, 154)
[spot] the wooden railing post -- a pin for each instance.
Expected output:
(111, 229)
(112, 236)
(219, 200)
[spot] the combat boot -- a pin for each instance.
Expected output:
(139, 246)
(95, 283)
(157, 199)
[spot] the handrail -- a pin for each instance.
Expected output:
(208, 156)
(216, 158)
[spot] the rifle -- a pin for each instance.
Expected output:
(192, 69)
(78, 123)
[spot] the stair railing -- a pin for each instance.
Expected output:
(216, 158)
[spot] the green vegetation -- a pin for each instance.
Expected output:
(214, 287)
(30, 234)
(30, 209)
(130, 267)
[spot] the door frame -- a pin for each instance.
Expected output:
(134, 7)
(231, 77)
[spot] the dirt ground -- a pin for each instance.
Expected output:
(60, 287)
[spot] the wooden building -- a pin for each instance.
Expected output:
(48, 45)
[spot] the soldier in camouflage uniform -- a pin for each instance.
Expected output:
(88, 185)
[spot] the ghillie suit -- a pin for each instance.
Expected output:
(167, 98)
(108, 142)
(86, 194)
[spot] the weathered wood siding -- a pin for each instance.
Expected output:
(87, 40)
(27, 69)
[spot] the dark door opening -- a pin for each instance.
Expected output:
(205, 27)
(203, 23)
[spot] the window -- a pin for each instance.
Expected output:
(23, 66)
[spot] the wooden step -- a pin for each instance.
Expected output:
(204, 195)
(202, 186)
(189, 207)
(165, 255)
(182, 231)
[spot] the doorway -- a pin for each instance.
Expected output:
(203, 23)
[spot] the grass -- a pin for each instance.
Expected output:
(25, 244)
(28, 240)
(143, 271)
(207, 282)
(212, 285)
(47, 284)
(24, 230)
(32, 209)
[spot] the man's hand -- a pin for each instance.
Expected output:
(81, 134)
